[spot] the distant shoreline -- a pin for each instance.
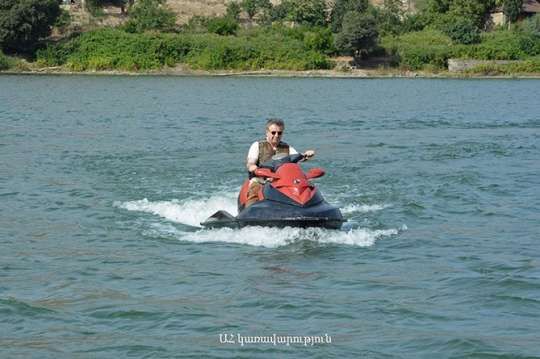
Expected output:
(351, 74)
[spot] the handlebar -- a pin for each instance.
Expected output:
(274, 164)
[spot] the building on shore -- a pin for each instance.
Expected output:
(528, 9)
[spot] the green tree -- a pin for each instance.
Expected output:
(389, 17)
(306, 12)
(250, 7)
(358, 35)
(478, 11)
(150, 15)
(429, 13)
(253, 7)
(233, 10)
(24, 22)
(461, 29)
(222, 25)
(341, 7)
(320, 39)
(437, 6)
(512, 9)
(414, 22)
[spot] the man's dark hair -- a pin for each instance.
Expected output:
(275, 121)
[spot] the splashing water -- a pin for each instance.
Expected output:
(276, 237)
(363, 208)
(193, 211)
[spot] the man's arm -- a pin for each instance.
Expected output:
(307, 155)
(252, 157)
(251, 167)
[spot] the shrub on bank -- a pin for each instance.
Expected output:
(432, 48)
(522, 67)
(150, 15)
(502, 45)
(531, 25)
(105, 49)
(461, 30)
(223, 25)
(4, 62)
(415, 50)
(113, 49)
(314, 38)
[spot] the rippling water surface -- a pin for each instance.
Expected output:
(103, 181)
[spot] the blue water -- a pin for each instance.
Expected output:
(103, 181)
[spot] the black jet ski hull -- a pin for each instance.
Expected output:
(295, 222)
(300, 222)
(269, 213)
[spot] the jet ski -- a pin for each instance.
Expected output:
(287, 199)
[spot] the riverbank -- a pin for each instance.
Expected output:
(352, 73)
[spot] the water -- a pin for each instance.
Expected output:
(103, 181)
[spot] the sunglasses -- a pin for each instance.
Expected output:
(276, 132)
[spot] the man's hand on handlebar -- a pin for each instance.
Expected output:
(308, 154)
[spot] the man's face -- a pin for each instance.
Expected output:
(274, 134)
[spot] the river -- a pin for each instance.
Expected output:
(104, 180)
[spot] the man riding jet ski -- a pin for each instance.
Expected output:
(278, 192)
(263, 151)
(287, 199)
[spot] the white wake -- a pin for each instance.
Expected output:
(191, 212)
(277, 237)
(194, 211)
(363, 208)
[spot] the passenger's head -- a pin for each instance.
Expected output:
(274, 130)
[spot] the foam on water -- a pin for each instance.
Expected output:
(363, 208)
(191, 212)
(194, 211)
(276, 237)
